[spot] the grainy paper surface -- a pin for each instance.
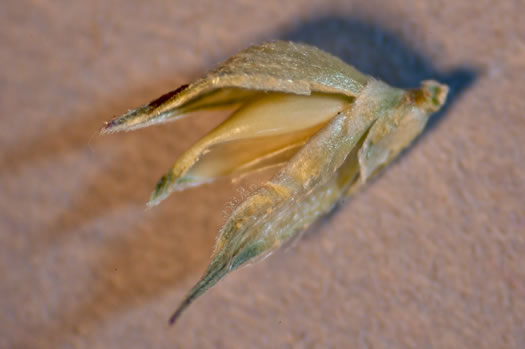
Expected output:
(429, 255)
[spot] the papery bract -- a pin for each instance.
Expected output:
(328, 126)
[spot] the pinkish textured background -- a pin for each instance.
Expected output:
(431, 255)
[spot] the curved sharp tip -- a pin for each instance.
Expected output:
(173, 318)
(177, 313)
(187, 301)
(216, 271)
(161, 190)
(156, 197)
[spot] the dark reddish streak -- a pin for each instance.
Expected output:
(155, 103)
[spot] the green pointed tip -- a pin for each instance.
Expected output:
(167, 184)
(216, 271)
(230, 254)
(179, 311)
(161, 190)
